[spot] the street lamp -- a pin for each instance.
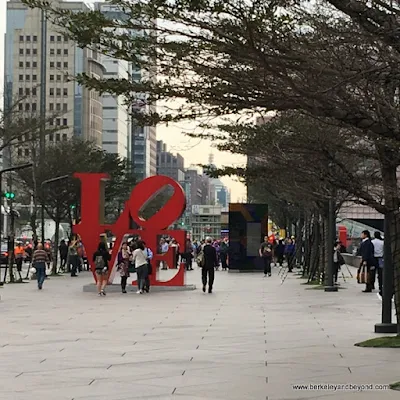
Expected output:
(47, 181)
(10, 169)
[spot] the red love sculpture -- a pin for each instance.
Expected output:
(92, 224)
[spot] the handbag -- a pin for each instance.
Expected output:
(132, 268)
(362, 275)
(341, 260)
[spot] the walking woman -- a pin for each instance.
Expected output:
(124, 256)
(140, 258)
(101, 258)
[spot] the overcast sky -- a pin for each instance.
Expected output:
(194, 151)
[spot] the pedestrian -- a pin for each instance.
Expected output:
(210, 262)
(39, 259)
(124, 256)
(290, 251)
(164, 247)
(337, 262)
(139, 257)
(175, 248)
(101, 257)
(149, 254)
(63, 249)
(19, 253)
(378, 255)
(280, 252)
(223, 253)
(366, 251)
(73, 257)
(266, 254)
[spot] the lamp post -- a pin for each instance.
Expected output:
(10, 169)
(47, 181)
(387, 326)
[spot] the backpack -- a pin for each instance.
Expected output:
(99, 262)
(201, 259)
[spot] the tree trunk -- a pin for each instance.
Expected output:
(34, 195)
(315, 248)
(56, 240)
(392, 202)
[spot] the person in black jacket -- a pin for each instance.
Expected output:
(210, 262)
(101, 258)
(366, 251)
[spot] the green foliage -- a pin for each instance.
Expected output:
(395, 386)
(383, 342)
(66, 158)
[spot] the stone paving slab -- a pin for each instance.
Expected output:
(254, 338)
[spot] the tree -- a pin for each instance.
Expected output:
(64, 159)
(332, 60)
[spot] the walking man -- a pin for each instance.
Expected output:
(39, 259)
(209, 264)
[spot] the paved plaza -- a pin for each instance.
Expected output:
(252, 339)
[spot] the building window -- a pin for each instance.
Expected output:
(51, 91)
(58, 121)
(51, 122)
(65, 64)
(65, 137)
(58, 92)
(58, 64)
(58, 38)
(34, 64)
(20, 107)
(65, 121)
(34, 78)
(34, 38)
(19, 152)
(34, 92)
(51, 64)
(21, 91)
(28, 64)
(51, 38)
(28, 38)
(27, 77)
(65, 52)
(58, 106)
(21, 77)
(65, 107)
(57, 137)
(65, 38)
(34, 106)
(58, 78)
(65, 92)
(27, 91)
(21, 38)
(52, 77)
(51, 137)
(27, 152)
(27, 107)
(21, 52)
(59, 52)
(21, 64)
(34, 52)
(52, 52)
(51, 106)
(28, 52)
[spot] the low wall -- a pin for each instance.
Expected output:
(354, 261)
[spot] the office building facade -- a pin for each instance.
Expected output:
(39, 64)
(169, 164)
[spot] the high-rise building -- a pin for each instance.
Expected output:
(169, 164)
(116, 118)
(39, 64)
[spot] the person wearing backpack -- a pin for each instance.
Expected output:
(208, 265)
(140, 258)
(101, 258)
